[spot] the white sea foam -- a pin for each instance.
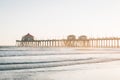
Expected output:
(59, 63)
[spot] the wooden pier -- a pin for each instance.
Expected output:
(71, 41)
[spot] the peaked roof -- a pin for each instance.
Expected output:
(28, 35)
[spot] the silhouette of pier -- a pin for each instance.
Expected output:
(71, 41)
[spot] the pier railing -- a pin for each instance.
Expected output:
(111, 42)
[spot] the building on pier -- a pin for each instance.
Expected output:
(82, 41)
(28, 37)
(71, 37)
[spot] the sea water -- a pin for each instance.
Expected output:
(37, 63)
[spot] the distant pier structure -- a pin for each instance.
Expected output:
(71, 41)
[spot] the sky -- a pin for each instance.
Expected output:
(51, 19)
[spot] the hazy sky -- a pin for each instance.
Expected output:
(58, 18)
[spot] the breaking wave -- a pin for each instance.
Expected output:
(16, 58)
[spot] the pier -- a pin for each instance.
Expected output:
(71, 41)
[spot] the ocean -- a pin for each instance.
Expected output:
(37, 63)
